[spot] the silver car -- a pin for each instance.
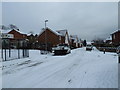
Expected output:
(61, 49)
(89, 47)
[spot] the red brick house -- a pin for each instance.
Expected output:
(116, 38)
(17, 39)
(52, 38)
(17, 34)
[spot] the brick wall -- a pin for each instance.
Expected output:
(51, 38)
(116, 38)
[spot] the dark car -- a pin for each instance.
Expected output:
(61, 49)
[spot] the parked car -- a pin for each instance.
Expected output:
(61, 49)
(89, 47)
(118, 50)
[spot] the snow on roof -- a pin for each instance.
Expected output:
(7, 31)
(50, 30)
(118, 30)
(31, 34)
(74, 37)
(109, 38)
(20, 32)
(62, 32)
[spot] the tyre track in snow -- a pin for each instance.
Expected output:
(56, 70)
(64, 72)
(61, 73)
(88, 73)
(99, 75)
(63, 67)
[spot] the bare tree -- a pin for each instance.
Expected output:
(11, 26)
(3, 27)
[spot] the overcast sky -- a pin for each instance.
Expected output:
(88, 20)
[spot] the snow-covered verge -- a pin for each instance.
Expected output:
(119, 76)
(80, 69)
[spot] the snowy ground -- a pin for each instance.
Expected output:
(80, 69)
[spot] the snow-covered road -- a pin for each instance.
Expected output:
(80, 69)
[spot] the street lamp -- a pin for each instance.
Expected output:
(45, 22)
(46, 37)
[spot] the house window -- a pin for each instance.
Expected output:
(66, 39)
(114, 36)
(60, 38)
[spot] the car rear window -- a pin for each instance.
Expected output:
(89, 45)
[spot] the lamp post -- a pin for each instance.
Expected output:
(118, 57)
(45, 37)
(45, 22)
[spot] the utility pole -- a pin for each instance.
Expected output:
(45, 37)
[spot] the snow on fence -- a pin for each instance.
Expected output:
(11, 54)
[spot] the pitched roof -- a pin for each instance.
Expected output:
(9, 30)
(74, 37)
(109, 38)
(62, 32)
(50, 30)
(116, 31)
(5, 31)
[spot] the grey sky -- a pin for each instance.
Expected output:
(85, 19)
